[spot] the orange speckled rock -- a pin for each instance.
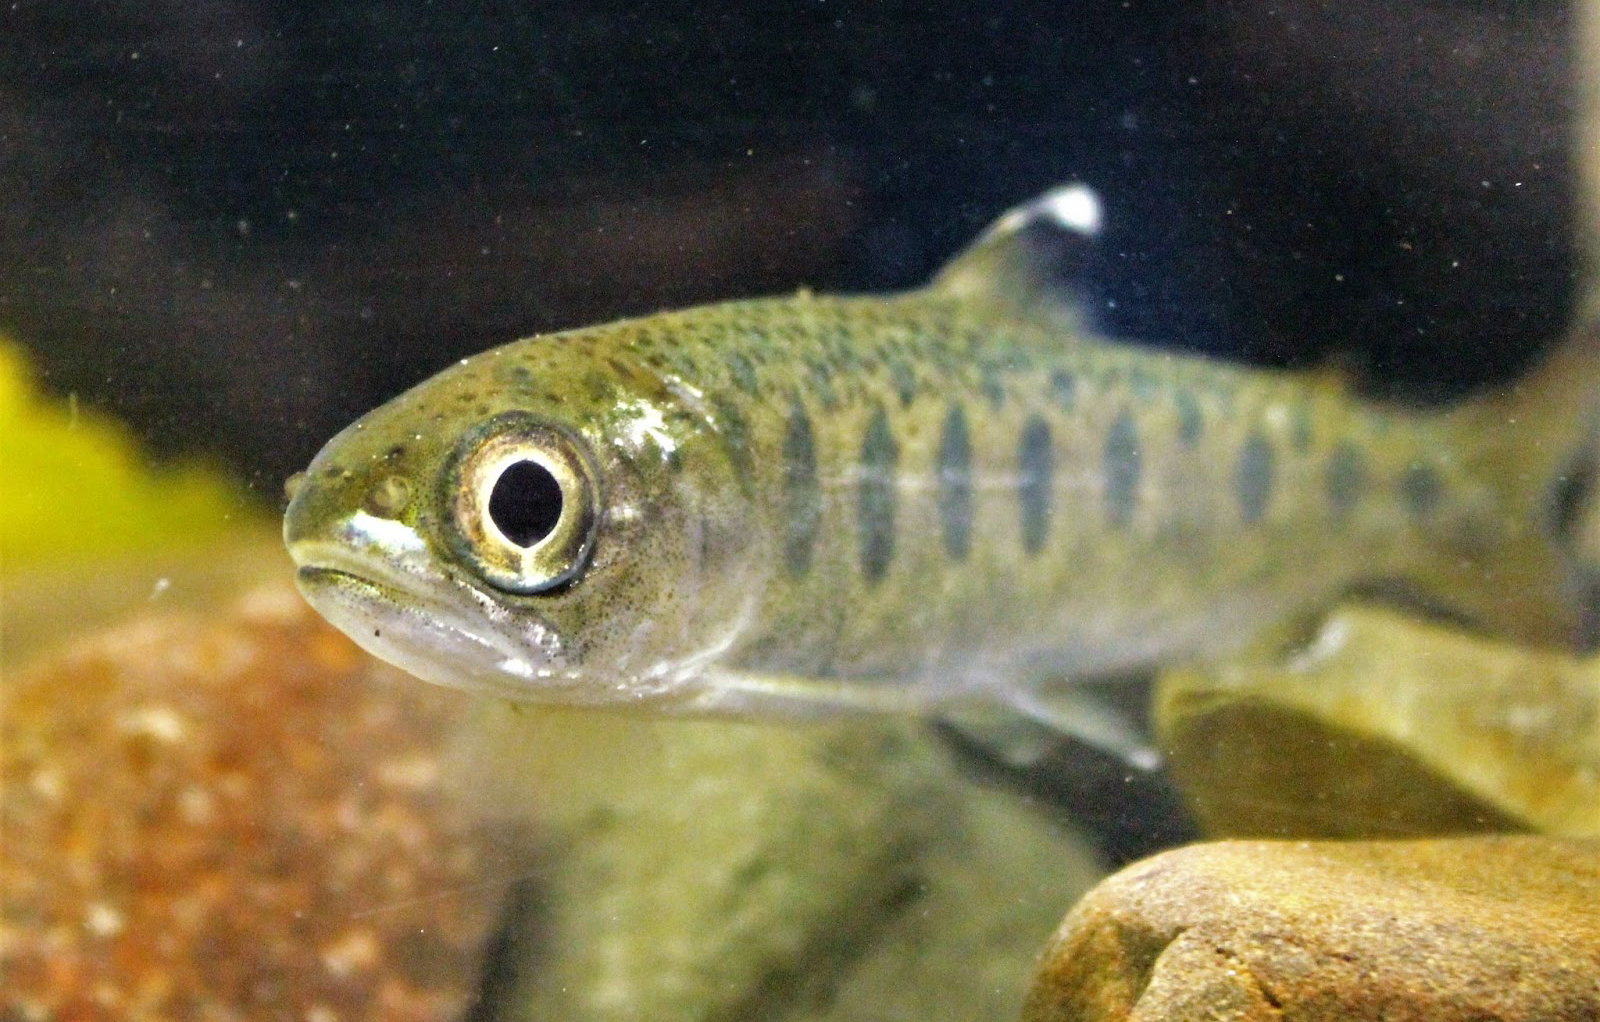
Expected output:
(1504, 928)
(236, 817)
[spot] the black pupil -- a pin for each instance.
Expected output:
(525, 503)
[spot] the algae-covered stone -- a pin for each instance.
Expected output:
(994, 883)
(1504, 928)
(76, 487)
(1388, 726)
(93, 529)
(730, 871)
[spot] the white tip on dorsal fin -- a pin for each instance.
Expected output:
(1028, 262)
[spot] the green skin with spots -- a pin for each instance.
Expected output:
(810, 502)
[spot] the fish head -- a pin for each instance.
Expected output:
(543, 522)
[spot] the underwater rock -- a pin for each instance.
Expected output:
(708, 871)
(1388, 726)
(236, 816)
(1504, 928)
(91, 522)
(961, 950)
(79, 488)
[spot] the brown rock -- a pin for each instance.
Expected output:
(1503, 928)
(236, 815)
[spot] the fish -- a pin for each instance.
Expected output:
(961, 494)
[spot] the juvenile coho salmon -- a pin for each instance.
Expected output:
(797, 504)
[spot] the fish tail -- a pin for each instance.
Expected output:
(1534, 445)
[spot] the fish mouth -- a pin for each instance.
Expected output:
(314, 575)
(454, 638)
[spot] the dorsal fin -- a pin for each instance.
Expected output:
(1030, 261)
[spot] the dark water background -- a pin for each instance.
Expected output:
(239, 224)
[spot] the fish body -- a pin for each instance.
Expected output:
(795, 504)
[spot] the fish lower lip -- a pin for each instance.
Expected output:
(316, 576)
(319, 573)
(326, 565)
(311, 578)
(412, 629)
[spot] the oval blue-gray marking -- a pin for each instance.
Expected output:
(1346, 480)
(1301, 431)
(1064, 389)
(822, 383)
(989, 381)
(876, 497)
(1036, 483)
(802, 497)
(735, 434)
(1191, 419)
(955, 483)
(1122, 469)
(1143, 384)
(1421, 489)
(1253, 477)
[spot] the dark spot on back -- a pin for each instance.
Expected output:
(1036, 483)
(876, 498)
(744, 374)
(619, 369)
(1252, 478)
(600, 386)
(1122, 469)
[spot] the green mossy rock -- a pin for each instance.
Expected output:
(716, 871)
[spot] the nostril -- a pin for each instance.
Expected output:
(390, 496)
(292, 485)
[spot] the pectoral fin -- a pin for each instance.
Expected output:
(1032, 720)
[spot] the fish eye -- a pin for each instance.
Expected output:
(524, 504)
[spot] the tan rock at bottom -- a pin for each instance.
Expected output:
(1503, 928)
